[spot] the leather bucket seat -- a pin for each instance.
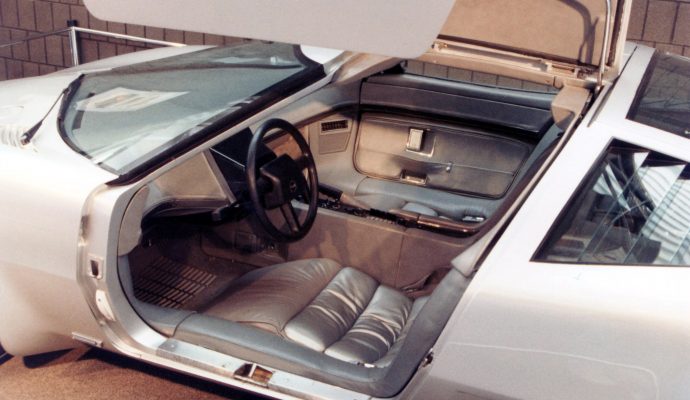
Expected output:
(317, 303)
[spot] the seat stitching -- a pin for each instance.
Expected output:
(348, 302)
(282, 328)
(322, 309)
(367, 332)
(329, 313)
(387, 324)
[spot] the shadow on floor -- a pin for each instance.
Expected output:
(160, 373)
(4, 357)
(111, 369)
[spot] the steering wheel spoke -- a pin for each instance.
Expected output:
(291, 217)
(303, 162)
(306, 192)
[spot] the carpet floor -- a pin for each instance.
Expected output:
(90, 374)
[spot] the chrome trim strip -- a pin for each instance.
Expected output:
(606, 47)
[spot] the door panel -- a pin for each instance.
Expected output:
(399, 28)
(450, 158)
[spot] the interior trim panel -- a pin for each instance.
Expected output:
(527, 111)
(451, 158)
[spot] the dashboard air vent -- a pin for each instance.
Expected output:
(338, 125)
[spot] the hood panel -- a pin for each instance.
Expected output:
(570, 31)
(24, 102)
(398, 28)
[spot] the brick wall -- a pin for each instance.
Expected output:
(664, 24)
(21, 18)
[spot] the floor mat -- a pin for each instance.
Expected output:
(171, 284)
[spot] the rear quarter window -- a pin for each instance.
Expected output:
(663, 99)
(634, 209)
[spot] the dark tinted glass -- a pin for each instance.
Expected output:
(663, 100)
(634, 209)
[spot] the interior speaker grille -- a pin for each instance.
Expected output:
(334, 125)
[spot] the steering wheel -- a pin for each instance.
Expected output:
(277, 182)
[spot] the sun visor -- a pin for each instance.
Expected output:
(397, 28)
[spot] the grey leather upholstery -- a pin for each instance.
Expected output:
(420, 209)
(458, 172)
(386, 195)
(523, 110)
(341, 312)
(454, 158)
(389, 375)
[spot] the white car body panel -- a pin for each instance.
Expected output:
(489, 349)
(49, 186)
(20, 110)
(581, 331)
(399, 28)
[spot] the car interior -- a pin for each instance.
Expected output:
(323, 245)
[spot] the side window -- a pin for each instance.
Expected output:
(663, 100)
(634, 209)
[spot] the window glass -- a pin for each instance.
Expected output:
(635, 209)
(123, 117)
(663, 100)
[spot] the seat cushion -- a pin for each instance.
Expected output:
(341, 312)
(268, 298)
(376, 329)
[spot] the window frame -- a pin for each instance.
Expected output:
(312, 73)
(642, 88)
(585, 184)
(604, 122)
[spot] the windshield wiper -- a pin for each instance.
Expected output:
(29, 135)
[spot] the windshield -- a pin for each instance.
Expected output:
(125, 117)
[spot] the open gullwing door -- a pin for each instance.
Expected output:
(398, 28)
(552, 41)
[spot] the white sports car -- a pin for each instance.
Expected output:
(501, 210)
